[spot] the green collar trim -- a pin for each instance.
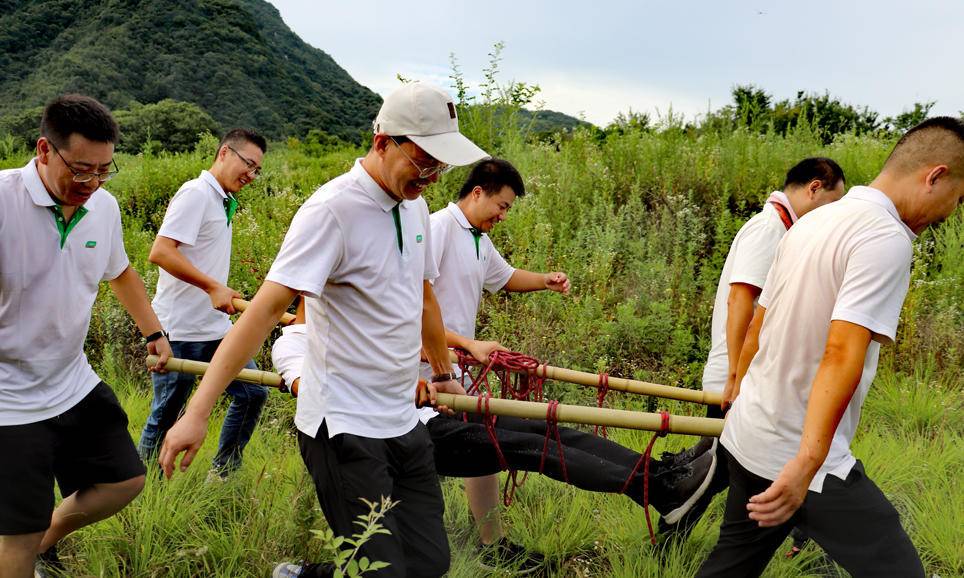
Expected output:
(63, 226)
(230, 208)
(477, 235)
(398, 226)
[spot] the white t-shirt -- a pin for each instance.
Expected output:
(748, 261)
(849, 261)
(288, 352)
(48, 283)
(195, 218)
(364, 311)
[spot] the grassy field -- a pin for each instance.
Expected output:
(641, 222)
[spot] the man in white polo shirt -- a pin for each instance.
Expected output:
(832, 297)
(811, 183)
(193, 300)
(360, 250)
(60, 236)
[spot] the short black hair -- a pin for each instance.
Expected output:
(493, 174)
(243, 135)
(76, 113)
(825, 170)
(937, 140)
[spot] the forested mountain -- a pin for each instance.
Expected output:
(236, 59)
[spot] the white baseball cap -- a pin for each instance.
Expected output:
(426, 115)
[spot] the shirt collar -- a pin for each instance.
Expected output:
(207, 177)
(877, 197)
(38, 191)
(781, 198)
(372, 189)
(459, 216)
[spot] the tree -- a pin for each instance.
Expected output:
(910, 118)
(169, 124)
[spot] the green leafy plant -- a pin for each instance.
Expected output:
(344, 551)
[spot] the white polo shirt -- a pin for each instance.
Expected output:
(751, 254)
(849, 261)
(48, 283)
(288, 352)
(364, 312)
(195, 218)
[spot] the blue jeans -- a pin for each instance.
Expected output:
(171, 391)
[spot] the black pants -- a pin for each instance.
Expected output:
(463, 449)
(851, 520)
(347, 467)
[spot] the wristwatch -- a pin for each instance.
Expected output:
(155, 336)
(442, 377)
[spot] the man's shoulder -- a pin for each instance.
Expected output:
(765, 226)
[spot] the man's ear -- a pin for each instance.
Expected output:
(380, 143)
(814, 186)
(43, 150)
(477, 192)
(935, 173)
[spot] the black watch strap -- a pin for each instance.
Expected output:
(155, 336)
(442, 377)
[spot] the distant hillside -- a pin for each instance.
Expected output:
(548, 121)
(236, 59)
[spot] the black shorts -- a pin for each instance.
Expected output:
(86, 445)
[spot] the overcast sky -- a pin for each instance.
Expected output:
(597, 58)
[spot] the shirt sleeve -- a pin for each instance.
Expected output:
(875, 283)
(497, 270)
(185, 213)
(288, 353)
(117, 262)
(437, 236)
(754, 252)
(311, 251)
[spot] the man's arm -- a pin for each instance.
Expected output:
(166, 255)
(739, 313)
(833, 386)
(435, 346)
(129, 289)
(480, 350)
(751, 344)
(523, 281)
(239, 345)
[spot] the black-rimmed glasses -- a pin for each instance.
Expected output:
(423, 172)
(85, 176)
(253, 169)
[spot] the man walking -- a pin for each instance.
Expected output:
(193, 300)
(60, 236)
(831, 298)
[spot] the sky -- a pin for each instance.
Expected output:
(596, 58)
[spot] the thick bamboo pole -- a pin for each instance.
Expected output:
(241, 305)
(623, 384)
(199, 367)
(679, 424)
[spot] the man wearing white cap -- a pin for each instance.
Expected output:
(359, 250)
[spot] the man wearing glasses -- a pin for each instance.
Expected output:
(193, 300)
(60, 236)
(359, 250)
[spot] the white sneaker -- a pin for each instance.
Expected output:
(287, 570)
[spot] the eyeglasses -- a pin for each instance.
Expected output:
(253, 169)
(84, 176)
(424, 172)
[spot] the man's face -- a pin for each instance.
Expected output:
(401, 165)
(490, 210)
(241, 164)
(947, 194)
(80, 155)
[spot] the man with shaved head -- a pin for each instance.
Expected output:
(831, 298)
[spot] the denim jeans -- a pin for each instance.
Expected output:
(171, 391)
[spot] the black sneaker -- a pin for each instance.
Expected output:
(689, 454)
(682, 486)
(48, 564)
(509, 558)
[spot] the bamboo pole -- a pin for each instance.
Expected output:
(241, 304)
(623, 384)
(679, 424)
(199, 367)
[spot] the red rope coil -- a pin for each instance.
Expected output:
(644, 462)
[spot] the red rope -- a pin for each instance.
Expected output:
(644, 461)
(600, 398)
(552, 430)
(482, 406)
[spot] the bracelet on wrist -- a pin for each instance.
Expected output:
(442, 377)
(155, 336)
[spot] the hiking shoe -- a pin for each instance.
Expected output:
(689, 454)
(800, 540)
(685, 485)
(509, 558)
(287, 570)
(48, 564)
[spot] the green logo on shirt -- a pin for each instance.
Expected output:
(418, 238)
(90, 244)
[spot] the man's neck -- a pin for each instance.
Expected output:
(892, 189)
(370, 164)
(465, 206)
(66, 210)
(218, 175)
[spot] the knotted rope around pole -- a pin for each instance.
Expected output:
(644, 462)
(552, 430)
(600, 399)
